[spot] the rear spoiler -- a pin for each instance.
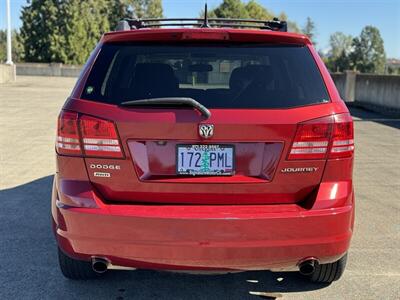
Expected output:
(206, 34)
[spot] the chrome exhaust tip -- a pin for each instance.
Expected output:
(307, 267)
(99, 265)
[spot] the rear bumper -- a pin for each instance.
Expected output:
(179, 237)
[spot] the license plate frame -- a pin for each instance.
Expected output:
(228, 170)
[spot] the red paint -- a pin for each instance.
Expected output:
(146, 216)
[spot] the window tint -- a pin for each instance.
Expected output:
(218, 76)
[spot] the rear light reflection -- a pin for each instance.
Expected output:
(93, 137)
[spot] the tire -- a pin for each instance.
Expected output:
(328, 273)
(75, 269)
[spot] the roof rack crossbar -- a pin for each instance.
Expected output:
(232, 25)
(275, 24)
(205, 22)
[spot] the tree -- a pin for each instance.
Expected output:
(3, 46)
(393, 71)
(254, 10)
(368, 55)
(62, 30)
(230, 9)
(146, 8)
(309, 30)
(67, 30)
(85, 22)
(340, 43)
(340, 47)
(257, 11)
(16, 46)
(40, 31)
(292, 26)
(118, 9)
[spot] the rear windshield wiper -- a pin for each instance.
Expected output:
(169, 101)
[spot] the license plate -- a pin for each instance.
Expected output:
(215, 160)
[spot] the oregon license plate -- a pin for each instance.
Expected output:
(205, 160)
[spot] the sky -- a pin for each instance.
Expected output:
(347, 16)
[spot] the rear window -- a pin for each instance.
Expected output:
(217, 76)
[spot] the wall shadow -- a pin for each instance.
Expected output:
(29, 267)
(371, 116)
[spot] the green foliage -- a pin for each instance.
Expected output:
(340, 43)
(340, 47)
(152, 9)
(230, 9)
(292, 26)
(253, 10)
(365, 53)
(241, 10)
(369, 53)
(41, 31)
(309, 30)
(67, 30)
(3, 49)
(118, 9)
(393, 71)
(257, 11)
(339, 63)
(85, 22)
(16, 46)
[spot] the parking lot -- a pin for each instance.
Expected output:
(28, 266)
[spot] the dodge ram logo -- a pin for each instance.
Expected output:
(206, 130)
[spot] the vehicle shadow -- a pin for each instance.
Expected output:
(365, 115)
(29, 268)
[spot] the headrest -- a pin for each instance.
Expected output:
(154, 80)
(241, 77)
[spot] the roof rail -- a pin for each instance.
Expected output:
(275, 24)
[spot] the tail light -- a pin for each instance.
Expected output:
(67, 134)
(312, 139)
(342, 137)
(99, 137)
(92, 137)
(315, 139)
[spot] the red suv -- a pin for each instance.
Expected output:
(212, 148)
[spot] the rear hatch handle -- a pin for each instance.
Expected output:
(169, 101)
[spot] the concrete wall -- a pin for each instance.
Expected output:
(340, 81)
(7, 73)
(53, 69)
(380, 91)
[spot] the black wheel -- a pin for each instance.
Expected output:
(75, 269)
(327, 273)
